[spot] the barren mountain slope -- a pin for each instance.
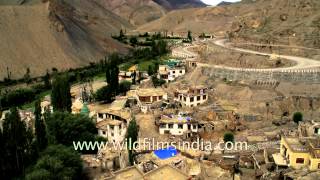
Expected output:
(179, 4)
(137, 12)
(59, 35)
(198, 20)
(296, 22)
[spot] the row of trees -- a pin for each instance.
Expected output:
(114, 87)
(45, 151)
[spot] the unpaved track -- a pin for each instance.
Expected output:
(302, 64)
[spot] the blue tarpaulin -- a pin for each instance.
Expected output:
(166, 153)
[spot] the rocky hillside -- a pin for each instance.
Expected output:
(180, 4)
(137, 12)
(55, 34)
(198, 20)
(293, 22)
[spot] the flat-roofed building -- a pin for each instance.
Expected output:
(182, 125)
(169, 74)
(150, 95)
(134, 173)
(192, 97)
(130, 173)
(299, 153)
(146, 97)
(166, 172)
(125, 76)
(309, 128)
(112, 124)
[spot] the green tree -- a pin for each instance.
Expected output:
(133, 76)
(27, 76)
(112, 73)
(157, 82)
(121, 34)
(132, 136)
(133, 40)
(297, 117)
(17, 145)
(104, 94)
(150, 70)
(61, 96)
(40, 128)
(65, 128)
(124, 86)
(228, 137)
(189, 36)
(57, 162)
(159, 48)
(3, 158)
(46, 80)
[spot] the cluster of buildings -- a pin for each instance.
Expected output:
(169, 71)
(302, 151)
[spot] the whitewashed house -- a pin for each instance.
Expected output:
(113, 124)
(177, 125)
(169, 74)
(192, 97)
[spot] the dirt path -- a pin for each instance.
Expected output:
(302, 64)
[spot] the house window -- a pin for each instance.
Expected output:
(318, 165)
(173, 72)
(198, 98)
(300, 160)
(204, 97)
(103, 132)
(100, 115)
(155, 98)
(163, 126)
(191, 99)
(180, 72)
(180, 126)
(170, 126)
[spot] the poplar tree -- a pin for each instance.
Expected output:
(40, 128)
(61, 96)
(17, 144)
(132, 136)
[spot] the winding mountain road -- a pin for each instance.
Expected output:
(302, 64)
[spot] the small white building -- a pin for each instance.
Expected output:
(146, 97)
(125, 76)
(183, 126)
(192, 97)
(169, 74)
(113, 124)
(177, 125)
(309, 128)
